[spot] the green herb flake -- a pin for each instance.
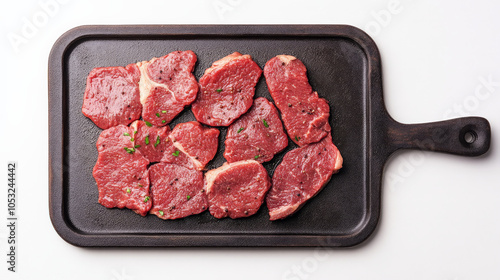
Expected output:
(164, 111)
(188, 197)
(241, 129)
(163, 121)
(148, 124)
(161, 213)
(146, 140)
(126, 134)
(297, 138)
(128, 190)
(176, 153)
(218, 90)
(158, 115)
(131, 139)
(265, 123)
(137, 146)
(129, 150)
(256, 157)
(140, 186)
(146, 199)
(157, 141)
(135, 132)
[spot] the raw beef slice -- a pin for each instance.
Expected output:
(112, 96)
(301, 175)
(151, 141)
(121, 172)
(176, 191)
(256, 135)
(236, 189)
(118, 137)
(167, 85)
(193, 145)
(304, 114)
(227, 89)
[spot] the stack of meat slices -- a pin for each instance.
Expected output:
(149, 168)
(304, 171)
(155, 169)
(121, 172)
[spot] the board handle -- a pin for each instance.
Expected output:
(469, 136)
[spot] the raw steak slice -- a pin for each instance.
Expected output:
(301, 175)
(121, 172)
(118, 137)
(176, 191)
(256, 135)
(236, 189)
(193, 145)
(304, 114)
(152, 142)
(112, 96)
(167, 85)
(227, 89)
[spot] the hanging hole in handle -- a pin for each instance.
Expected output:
(468, 136)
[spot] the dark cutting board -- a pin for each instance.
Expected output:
(343, 66)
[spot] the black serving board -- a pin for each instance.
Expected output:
(343, 66)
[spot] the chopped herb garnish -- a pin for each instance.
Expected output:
(163, 121)
(164, 111)
(140, 186)
(135, 132)
(129, 150)
(297, 138)
(146, 199)
(161, 213)
(188, 197)
(128, 190)
(157, 141)
(126, 134)
(148, 124)
(265, 123)
(131, 139)
(218, 90)
(241, 129)
(176, 153)
(146, 139)
(158, 115)
(257, 156)
(137, 146)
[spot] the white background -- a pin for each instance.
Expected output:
(440, 213)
